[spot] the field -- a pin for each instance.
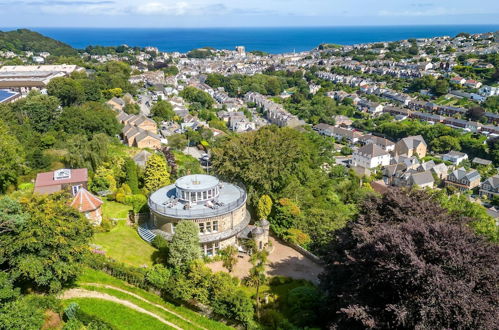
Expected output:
(128, 307)
(124, 244)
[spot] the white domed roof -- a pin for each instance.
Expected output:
(197, 182)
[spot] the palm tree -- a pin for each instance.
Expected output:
(257, 275)
(229, 257)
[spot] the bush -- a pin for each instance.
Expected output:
(304, 301)
(275, 320)
(298, 237)
(138, 202)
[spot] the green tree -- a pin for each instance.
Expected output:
(162, 110)
(42, 111)
(184, 247)
(156, 173)
(91, 90)
(67, 90)
(131, 172)
(441, 87)
(46, 250)
(87, 153)
(132, 108)
(304, 302)
(11, 157)
(7, 290)
(445, 144)
(229, 257)
(177, 141)
(88, 119)
(264, 207)
(103, 180)
(257, 275)
(194, 95)
(20, 314)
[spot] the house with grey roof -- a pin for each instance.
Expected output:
(141, 158)
(490, 187)
(370, 156)
(411, 146)
(422, 179)
(440, 170)
(463, 180)
(481, 162)
(455, 157)
(379, 141)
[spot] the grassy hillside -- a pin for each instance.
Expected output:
(26, 40)
(117, 315)
(128, 299)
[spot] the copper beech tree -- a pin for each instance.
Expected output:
(406, 263)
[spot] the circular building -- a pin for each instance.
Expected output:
(219, 209)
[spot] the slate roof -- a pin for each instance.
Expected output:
(493, 181)
(372, 150)
(422, 178)
(481, 161)
(413, 142)
(141, 158)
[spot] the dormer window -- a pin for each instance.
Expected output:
(62, 174)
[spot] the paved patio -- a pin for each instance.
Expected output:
(283, 261)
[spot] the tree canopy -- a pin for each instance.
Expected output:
(47, 244)
(184, 247)
(407, 263)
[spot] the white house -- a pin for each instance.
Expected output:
(370, 156)
(455, 157)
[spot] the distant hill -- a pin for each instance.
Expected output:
(26, 40)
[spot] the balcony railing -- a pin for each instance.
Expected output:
(212, 237)
(195, 212)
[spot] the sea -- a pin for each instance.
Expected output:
(271, 40)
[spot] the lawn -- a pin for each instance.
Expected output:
(124, 244)
(115, 210)
(94, 276)
(117, 315)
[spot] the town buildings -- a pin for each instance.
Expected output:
(23, 78)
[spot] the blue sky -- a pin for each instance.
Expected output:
(227, 13)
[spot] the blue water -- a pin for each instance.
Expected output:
(272, 40)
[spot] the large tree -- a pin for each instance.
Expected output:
(184, 247)
(156, 173)
(67, 90)
(162, 110)
(11, 157)
(41, 110)
(406, 263)
(47, 244)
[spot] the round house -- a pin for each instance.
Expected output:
(217, 207)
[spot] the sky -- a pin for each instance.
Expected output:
(243, 13)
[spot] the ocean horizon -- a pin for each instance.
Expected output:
(268, 39)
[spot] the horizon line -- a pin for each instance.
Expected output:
(246, 27)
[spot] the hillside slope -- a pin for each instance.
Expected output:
(27, 40)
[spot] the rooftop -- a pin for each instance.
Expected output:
(164, 201)
(197, 182)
